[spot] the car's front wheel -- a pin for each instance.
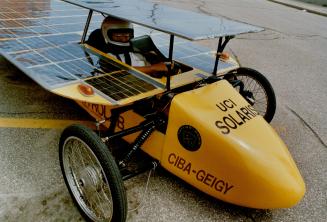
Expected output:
(92, 175)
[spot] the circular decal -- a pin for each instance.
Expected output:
(189, 138)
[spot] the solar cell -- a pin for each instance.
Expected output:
(43, 30)
(6, 33)
(120, 85)
(74, 49)
(67, 27)
(39, 14)
(22, 32)
(55, 54)
(61, 6)
(35, 42)
(81, 12)
(64, 20)
(6, 9)
(105, 65)
(10, 24)
(80, 68)
(51, 75)
(12, 45)
(3, 16)
(62, 39)
(30, 58)
(14, 15)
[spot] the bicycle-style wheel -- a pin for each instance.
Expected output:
(92, 175)
(257, 90)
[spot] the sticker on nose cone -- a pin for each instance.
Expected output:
(189, 138)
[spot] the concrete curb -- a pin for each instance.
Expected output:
(301, 6)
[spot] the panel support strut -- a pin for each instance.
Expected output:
(171, 50)
(221, 46)
(86, 28)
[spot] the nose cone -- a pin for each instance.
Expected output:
(269, 178)
(289, 193)
(275, 181)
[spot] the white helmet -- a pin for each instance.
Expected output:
(111, 24)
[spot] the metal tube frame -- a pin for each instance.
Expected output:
(86, 28)
(171, 50)
(221, 46)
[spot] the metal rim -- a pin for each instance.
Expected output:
(87, 180)
(259, 99)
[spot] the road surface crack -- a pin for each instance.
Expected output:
(307, 125)
(201, 7)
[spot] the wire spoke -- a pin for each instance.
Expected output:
(259, 94)
(88, 182)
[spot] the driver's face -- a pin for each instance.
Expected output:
(121, 37)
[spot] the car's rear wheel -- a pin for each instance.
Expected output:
(257, 91)
(92, 175)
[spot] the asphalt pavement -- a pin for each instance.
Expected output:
(304, 6)
(291, 52)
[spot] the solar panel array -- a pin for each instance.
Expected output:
(41, 38)
(120, 85)
(183, 23)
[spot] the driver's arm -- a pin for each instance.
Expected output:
(154, 70)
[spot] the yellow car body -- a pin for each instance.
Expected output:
(225, 149)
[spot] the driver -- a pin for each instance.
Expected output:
(114, 39)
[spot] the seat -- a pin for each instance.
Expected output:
(145, 46)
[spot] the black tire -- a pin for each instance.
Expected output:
(94, 182)
(253, 82)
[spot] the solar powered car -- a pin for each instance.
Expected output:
(205, 122)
